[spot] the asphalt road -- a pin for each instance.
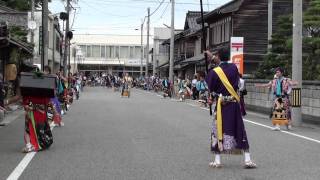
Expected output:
(145, 137)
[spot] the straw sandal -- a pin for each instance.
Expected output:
(215, 165)
(250, 165)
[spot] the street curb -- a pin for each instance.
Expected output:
(12, 116)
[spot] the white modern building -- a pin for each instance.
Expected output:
(160, 51)
(112, 54)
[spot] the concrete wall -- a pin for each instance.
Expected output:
(260, 99)
(157, 56)
(160, 35)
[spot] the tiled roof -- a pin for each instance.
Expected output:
(191, 21)
(6, 9)
(190, 27)
(231, 6)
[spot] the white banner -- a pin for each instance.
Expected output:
(236, 52)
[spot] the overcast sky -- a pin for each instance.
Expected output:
(124, 16)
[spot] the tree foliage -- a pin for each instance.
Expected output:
(18, 33)
(280, 55)
(20, 5)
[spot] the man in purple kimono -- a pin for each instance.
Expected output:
(228, 132)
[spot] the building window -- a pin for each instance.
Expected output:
(146, 52)
(116, 52)
(103, 51)
(89, 51)
(215, 35)
(132, 52)
(124, 52)
(58, 43)
(227, 31)
(112, 52)
(163, 49)
(220, 31)
(190, 47)
(96, 51)
(83, 49)
(182, 46)
(137, 52)
(218, 34)
(108, 52)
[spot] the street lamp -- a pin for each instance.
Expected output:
(167, 26)
(142, 49)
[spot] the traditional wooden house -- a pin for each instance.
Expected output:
(13, 53)
(187, 47)
(248, 19)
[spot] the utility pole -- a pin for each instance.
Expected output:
(74, 60)
(270, 11)
(32, 30)
(147, 68)
(66, 41)
(45, 38)
(141, 67)
(297, 55)
(171, 43)
(154, 60)
(69, 54)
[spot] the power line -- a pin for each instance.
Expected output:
(157, 8)
(120, 3)
(105, 28)
(94, 34)
(109, 14)
(74, 18)
(163, 12)
(153, 1)
(115, 4)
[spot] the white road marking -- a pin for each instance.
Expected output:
(287, 132)
(204, 108)
(269, 127)
(192, 105)
(262, 125)
(17, 172)
(303, 137)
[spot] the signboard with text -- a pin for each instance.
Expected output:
(236, 52)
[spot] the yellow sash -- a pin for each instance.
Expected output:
(233, 93)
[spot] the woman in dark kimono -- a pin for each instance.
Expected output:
(228, 132)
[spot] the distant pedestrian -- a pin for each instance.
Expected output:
(195, 92)
(243, 92)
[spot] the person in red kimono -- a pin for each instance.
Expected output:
(37, 133)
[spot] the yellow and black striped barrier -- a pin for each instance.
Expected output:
(296, 97)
